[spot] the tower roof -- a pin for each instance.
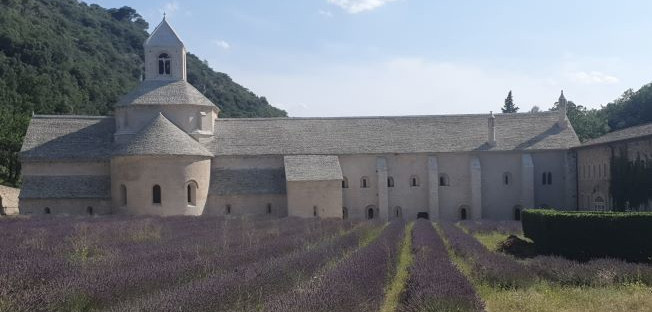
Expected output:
(162, 138)
(164, 92)
(164, 35)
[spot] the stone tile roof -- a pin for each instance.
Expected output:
(165, 92)
(164, 35)
(68, 138)
(376, 135)
(9, 197)
(247, 181)
(162, 138)
(623, 134)
(312, 168)
(54, 187)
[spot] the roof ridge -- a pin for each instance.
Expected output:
(71, 117)
(383, 117)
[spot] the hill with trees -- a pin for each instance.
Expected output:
(633, 108)
(68, 57)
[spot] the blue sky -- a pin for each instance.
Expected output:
(406, 57)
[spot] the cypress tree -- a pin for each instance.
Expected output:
(509, 106)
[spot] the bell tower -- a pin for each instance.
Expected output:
(165, 54)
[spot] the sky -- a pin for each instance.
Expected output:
(416, 57)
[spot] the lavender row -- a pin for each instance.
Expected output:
(598, 272)
(356, 283)
(435, 283)
(495, 269)
(489, 226)
(54, 280)
(246, 286)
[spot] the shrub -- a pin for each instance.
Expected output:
(587, 235)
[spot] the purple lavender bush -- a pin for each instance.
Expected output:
(496, 269)
(356, 283)
(597, 272)
(435, 283)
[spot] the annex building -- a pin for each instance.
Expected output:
(166, 152)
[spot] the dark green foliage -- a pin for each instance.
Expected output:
(631, 183)
(509, 106)
(587, 235)
(588, 123)
(631, 109)
(67, 57)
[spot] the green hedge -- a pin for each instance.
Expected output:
(586, 235)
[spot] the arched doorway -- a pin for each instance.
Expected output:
(599, 203)
(345, 213)
(464, 212)
(89, 210)
(371, 212)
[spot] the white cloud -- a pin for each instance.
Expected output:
(357, 6)
(593, 77)
(325, 13)
(223, 44)
(170, 8)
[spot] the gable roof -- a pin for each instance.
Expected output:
(312, 168)
(50, 187)
(161, 138)
(165, 92)
(621, 135)
(68, 138)
(380, 135)
(164, 35)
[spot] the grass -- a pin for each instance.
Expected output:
(405, 259)
(544, 296)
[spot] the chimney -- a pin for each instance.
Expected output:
(492, 130)
(563, 107)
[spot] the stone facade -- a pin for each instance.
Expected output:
(594, 160)
(166, 152)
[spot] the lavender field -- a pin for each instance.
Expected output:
(217, 264)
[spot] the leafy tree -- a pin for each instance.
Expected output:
(509, 106)
(535, 109)
(588, 123)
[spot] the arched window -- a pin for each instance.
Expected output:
(345, 213)
(345, 183)
(517, 213)
(191, 193)
(443, 180)
(398, 212)
(544, 179)
(163, 64)
(599, 204)
(47, 210)
(549, 178)
(507, 178)
(364, 182)
(370, 213)
(123, 195)
(390, 182)
(315, 213)
(269, 208)
(89, 210)
(414, 181)
(228, 209)
(156, 194)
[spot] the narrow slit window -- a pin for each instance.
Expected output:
(156, 194)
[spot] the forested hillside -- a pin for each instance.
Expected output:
(67, 57)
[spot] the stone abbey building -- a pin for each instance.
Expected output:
(166, 152)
